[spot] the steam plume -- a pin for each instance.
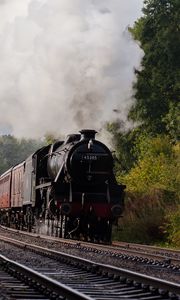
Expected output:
(65, 65)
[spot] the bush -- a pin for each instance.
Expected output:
(172, 227)
(152, 190)
(144, 216)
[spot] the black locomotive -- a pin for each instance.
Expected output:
(69, 185)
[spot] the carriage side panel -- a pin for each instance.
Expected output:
(17, 185)
(5, 189)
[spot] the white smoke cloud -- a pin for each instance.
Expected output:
(65, 65)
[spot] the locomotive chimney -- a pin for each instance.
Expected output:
(87, 134)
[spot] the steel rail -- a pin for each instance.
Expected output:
(133, 254)
(47, 282)
(148, 247)
(99, 268)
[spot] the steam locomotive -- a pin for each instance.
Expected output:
(68, 186)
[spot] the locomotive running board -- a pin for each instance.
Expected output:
(43, 185)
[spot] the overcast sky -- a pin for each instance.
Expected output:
(65, 64)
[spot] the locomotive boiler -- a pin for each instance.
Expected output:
(69, 185)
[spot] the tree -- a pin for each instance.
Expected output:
(172, 121)
(13, 151)
(158, 85)
(123, 143)
(157, 166)
(149, 153)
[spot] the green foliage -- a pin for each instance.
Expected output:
(13, 151)
(172, 121)
(123, 142)
(142, 219)
(152, 189)
(157, 166)
(158, 84)
(173, 227)
(50, 138)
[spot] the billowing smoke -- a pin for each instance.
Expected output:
(65, 64)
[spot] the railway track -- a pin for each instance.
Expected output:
(90, 279)
(149, 248)
(19, 282)
(159, 257)
(139, 255)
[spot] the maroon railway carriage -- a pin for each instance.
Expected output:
(16, 196)
(11, 195)
(5, 189)
(69, 184)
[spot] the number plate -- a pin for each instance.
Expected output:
(89, 157)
